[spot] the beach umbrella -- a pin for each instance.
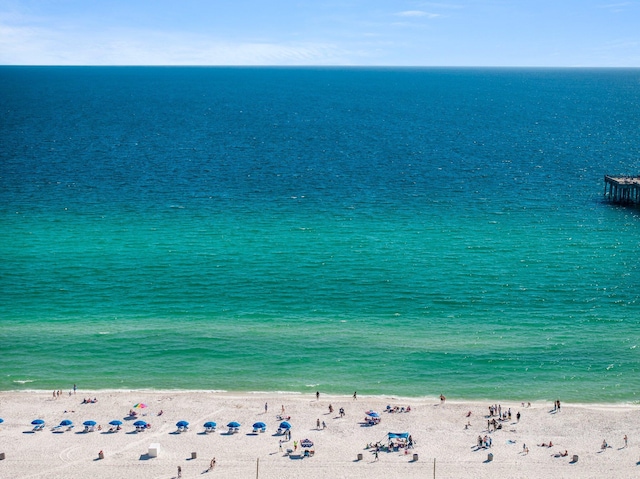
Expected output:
(140, 405)
(1, 420)
(115, 422)
(89, 423)
(139, 423)
(182, 424)
(233, 424)
(66, 422)
(306, 443)
(373, 414)
(259, 425)
(285, 425)
(210, 424)
(35, 422)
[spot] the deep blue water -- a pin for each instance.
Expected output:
(394, 231)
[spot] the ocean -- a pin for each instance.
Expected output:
(395, 231)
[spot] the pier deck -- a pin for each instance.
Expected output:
(623, 190)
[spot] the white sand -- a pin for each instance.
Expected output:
(438, 429)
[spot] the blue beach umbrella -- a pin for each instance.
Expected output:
(233, 424)
(139, 423)
(182, 424)
(210, 424)
(373, 414)
(89, 423)
(259, 425)
(1, 420)
(115, 422)
(285, 425)
(35, 422)
(66, 422)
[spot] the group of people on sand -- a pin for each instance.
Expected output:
(341, 410)
(89, 401)
(398, 408)
(484, 442)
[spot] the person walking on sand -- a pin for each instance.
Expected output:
(212, 464)
(625, 440)
(318, 423)
(179, 472)
(266, 407)
(280, 445)
(375, 455)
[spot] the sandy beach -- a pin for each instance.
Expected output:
(445, 433)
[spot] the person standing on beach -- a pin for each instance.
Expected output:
(355, 395)
(179, 472)
(318, 423)
(74, 388)
(625, 440)
(266, 407)
(317, 395)
(212, 464)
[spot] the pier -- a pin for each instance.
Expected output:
(624, 190)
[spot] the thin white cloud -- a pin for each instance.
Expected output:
(618, 7)
(28, 45)
(417, 13)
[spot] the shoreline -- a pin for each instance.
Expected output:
(444, 431)
(247, 394)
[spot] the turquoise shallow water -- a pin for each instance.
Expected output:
(391, 231)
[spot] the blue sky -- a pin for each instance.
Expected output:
(321, 32)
